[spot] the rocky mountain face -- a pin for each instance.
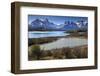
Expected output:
(46, 25)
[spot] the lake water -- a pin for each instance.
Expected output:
(64, 42)
(41, 34)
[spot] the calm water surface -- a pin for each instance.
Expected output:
(41, 34)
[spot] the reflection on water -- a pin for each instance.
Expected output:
(64, 42)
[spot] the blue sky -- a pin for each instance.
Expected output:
(55, 19)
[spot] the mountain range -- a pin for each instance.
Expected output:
(46, 25)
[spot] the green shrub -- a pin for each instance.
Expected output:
(36, 52)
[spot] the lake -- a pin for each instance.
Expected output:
(41, 34)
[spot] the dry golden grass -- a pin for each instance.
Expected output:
(63, 53)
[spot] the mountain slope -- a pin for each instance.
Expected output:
(45, 25)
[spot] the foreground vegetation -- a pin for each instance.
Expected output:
(63, 53)
(41, 40)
